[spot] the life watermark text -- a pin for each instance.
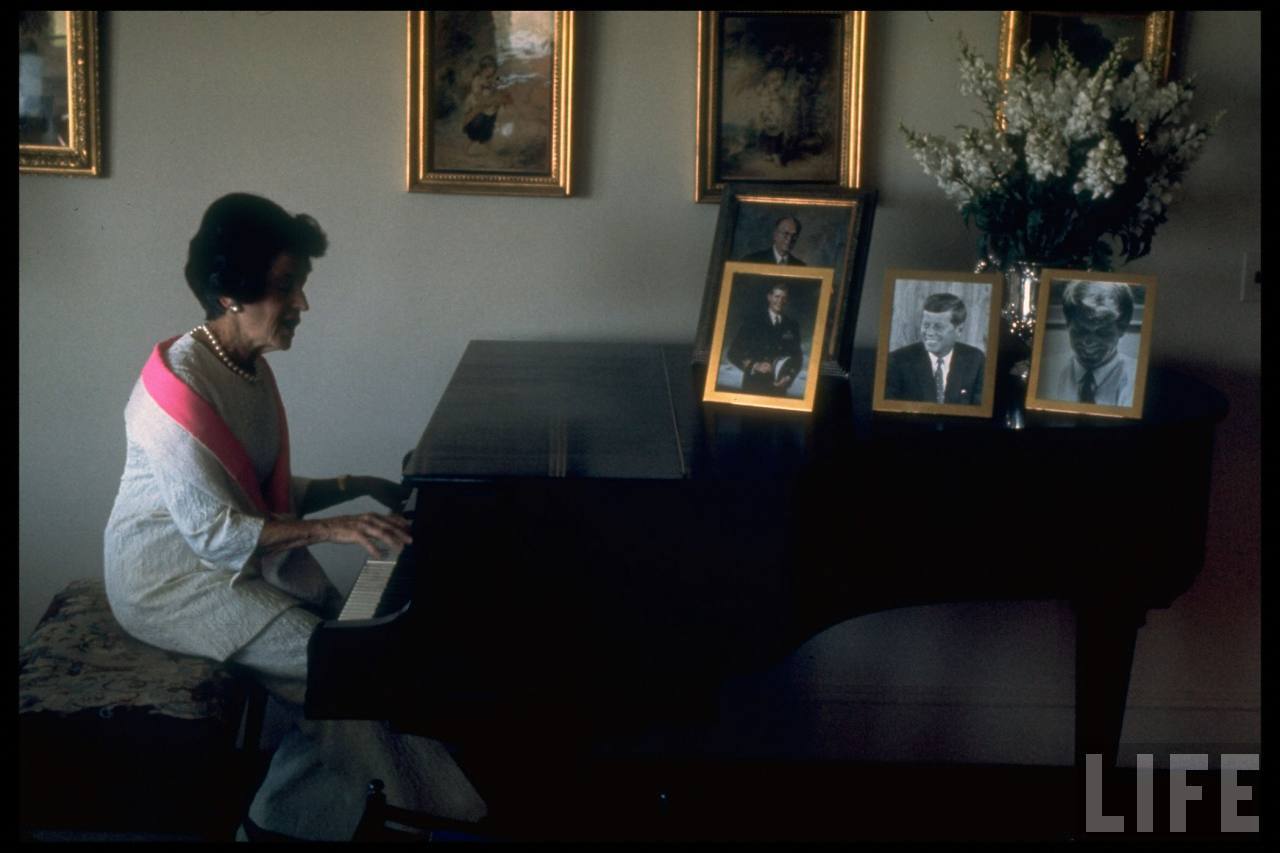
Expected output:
(1181, 792)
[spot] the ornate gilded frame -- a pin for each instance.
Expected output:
(904, 295)
(427, 169)
(846, 129)
(80, 152)
(744, 281)
(836, 232)
(1047, 359)
(1157, 37)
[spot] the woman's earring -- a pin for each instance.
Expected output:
(236, 309)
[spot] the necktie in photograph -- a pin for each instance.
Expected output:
(1088, 388)
(939, 384)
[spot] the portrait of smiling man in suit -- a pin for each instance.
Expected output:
(938, 368)
(933, 354)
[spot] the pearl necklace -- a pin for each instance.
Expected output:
(223, 357)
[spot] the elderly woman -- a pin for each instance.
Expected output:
(205, 549)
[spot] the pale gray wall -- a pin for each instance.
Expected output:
(309, 109)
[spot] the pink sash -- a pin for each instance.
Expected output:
(194, 414)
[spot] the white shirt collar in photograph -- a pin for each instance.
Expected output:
(1101, 374)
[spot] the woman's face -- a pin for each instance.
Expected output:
(271, 322)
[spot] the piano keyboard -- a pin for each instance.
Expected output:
(378, 590)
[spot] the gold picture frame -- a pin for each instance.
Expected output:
(1061, 355)
(490, 102)
(928, 313)
(59, 115)
(779, 99)
(756, 363)
(1094, 33)
(831, 228)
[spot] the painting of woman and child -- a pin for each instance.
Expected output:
(489, 104)
(492, 90)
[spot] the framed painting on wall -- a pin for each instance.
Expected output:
(491, 102)
(59, 120)
(779, 99)
(1091, 37)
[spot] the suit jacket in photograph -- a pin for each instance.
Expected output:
(759, 340)
(909, 375)
(765, 256)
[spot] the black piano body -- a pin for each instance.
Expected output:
(596, 548)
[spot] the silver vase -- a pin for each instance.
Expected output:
(1018, 320)
(1018, 313)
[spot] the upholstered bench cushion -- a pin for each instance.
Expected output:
(80, 659)
(116, 734)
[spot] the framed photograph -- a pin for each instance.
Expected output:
(1091, 35)
(779, 99)
(939, 333)
(1092, 343)
(59, 123)
(768, 333)
(491, 102)
(795, 226)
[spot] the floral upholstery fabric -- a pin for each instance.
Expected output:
(79, 659)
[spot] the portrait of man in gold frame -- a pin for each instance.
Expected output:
(1091, 36)
(767, 343)
(779, 99)
(795, 226)
(1092, 344)
(491, 102)
(59, 121)
(939, 334)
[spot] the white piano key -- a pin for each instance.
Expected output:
(366, 593)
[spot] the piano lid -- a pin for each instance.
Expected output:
(548, 409)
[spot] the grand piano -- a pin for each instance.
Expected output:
(596, 551)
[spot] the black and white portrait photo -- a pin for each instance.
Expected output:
(937, 343)
(1091, 345)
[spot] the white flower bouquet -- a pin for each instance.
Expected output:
(1070, 162)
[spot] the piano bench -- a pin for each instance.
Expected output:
(119, 739)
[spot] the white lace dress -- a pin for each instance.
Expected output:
(181, 574)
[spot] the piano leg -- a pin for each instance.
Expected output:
(1105, 637)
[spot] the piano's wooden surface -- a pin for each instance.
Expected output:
(553, 410)
(595, 548)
